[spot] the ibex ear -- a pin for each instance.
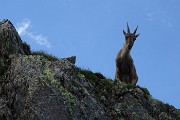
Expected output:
(137, 35)
(124, 32)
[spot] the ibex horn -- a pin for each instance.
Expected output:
(128, 30)
(135, 30)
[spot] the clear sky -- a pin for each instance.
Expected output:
(92, 31)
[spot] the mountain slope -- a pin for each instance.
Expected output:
(37, 86)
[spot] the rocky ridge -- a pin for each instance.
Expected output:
(38, 86)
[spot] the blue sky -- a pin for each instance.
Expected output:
(92, 31)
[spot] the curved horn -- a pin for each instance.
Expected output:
(128, 30)
(135, 30)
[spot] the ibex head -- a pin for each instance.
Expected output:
(130, 37)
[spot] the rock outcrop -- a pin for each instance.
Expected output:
(10, 43)
(34, 87)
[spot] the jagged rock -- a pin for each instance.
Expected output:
(10, 42)
(42, 89)
(71, 59)
(33, 87)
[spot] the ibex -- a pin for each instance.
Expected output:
(125, 69)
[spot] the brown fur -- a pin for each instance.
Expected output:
(125, 69)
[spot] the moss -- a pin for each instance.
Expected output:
(45, 54)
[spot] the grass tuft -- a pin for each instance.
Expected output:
(89, 75)
(45, 54)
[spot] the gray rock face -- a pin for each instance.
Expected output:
(40, 89)
(33, 87)
(10, 43)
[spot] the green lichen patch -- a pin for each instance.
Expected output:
(69, 99)
(50, 76)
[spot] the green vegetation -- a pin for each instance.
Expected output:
(130, 86)
(99, 75)
(101, 84)
(93, 78)
(45, 54)
(107, 84)
(90, 76)
(145, 90)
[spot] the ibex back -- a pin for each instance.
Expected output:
(125, 69)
